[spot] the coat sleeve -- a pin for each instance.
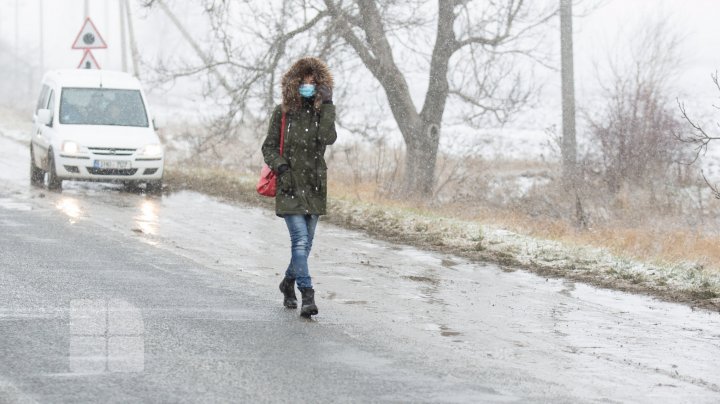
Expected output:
(271, 145)
(326, 131)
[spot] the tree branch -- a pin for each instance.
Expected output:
(512, 13)
(378, 58)
(278, 50)
(349, 36)
(445, 45)
(700, 139)
(713, 188)
(207, 60)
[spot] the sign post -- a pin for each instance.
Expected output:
(89, 38)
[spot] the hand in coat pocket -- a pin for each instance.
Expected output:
(284, 181)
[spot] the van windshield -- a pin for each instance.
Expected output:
(102, 106)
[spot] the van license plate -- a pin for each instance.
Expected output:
(112, 164)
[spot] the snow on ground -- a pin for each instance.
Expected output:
(531, 252)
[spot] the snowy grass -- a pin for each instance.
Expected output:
(598, 265)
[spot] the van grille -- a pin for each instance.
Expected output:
(111, 151)
(111, 171)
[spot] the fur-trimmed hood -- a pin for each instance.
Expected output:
(291, 99)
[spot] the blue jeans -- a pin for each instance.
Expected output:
(302, 231)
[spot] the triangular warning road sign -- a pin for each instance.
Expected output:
(89, 37)
(88, 61)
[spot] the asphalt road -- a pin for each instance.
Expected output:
(88, 315)
(109, 296)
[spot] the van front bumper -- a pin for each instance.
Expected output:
(83, 168)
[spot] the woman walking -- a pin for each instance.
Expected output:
(308, 115)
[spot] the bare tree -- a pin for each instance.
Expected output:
(471, 57)
(636, 130)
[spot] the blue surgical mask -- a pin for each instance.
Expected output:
(307, 90)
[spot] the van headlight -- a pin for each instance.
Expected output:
(151, 150)
(70, 147)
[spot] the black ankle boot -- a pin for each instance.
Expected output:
(287, 287)
(308, 303)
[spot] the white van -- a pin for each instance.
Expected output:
(94, 125)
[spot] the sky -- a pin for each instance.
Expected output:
(695, 20)
(595, 35)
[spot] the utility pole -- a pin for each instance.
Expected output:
(106, 8)
(133, 43)
(42, 36)
(123, 46)
(569, 145)
(16, 59)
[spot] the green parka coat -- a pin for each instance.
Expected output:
(309, 128)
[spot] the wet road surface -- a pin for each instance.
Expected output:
(112, 296)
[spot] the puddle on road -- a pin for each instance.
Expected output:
(568, 288)
(425, 279)
(447, 332)
(449, 263)
(70, 207)
(148, 220)
(352, 301)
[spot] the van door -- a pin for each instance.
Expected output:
(46, 132)
(38, 152)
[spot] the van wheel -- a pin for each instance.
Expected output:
(37, 175)
(154, 187)
(54, 183)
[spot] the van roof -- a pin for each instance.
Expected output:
(92, 78)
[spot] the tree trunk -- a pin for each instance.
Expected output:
(423, 142)
(421, 131)
(569, 147)
(420, 160)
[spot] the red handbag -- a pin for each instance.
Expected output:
(267, 185)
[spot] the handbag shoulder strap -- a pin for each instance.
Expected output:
(282, 133)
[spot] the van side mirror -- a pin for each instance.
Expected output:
(159, 122)
(44, 117)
